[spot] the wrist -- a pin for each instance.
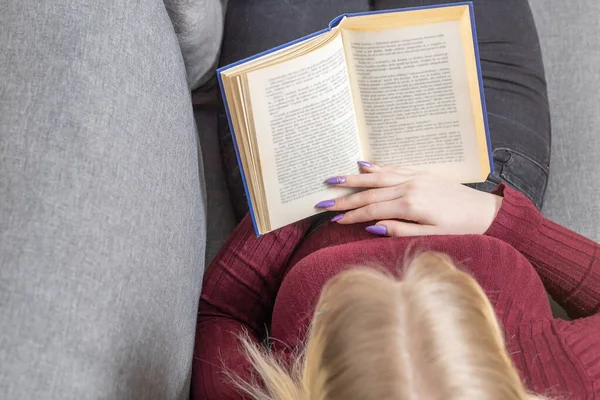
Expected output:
(517, 220)
(492, 204)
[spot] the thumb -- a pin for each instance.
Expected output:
(393, 228)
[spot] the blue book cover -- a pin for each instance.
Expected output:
(334, 23)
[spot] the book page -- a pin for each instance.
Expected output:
(414, 103)
(306, 130)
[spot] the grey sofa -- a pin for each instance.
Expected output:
(103, 220)
(569, 33)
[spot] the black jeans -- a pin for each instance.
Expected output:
(511, 62)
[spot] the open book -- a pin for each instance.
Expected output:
(399, 87)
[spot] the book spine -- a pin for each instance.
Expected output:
(336, 21)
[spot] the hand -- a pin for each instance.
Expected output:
(410, 203)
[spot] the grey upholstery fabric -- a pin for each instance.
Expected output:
(199, 28)
(569, 38)
(101, 209)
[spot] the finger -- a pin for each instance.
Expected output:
(397, 170)
(370, 168)
(392, 209)
(371, 196)
(374, 180)
(393, 228)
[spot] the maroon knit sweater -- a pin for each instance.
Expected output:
(274, 282)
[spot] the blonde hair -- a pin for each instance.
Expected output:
(432, 335)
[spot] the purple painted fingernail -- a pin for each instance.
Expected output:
(325, 204)
(337, 218)
(336, 180)
(365, 164)
(377, 230)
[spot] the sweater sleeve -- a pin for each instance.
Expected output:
(238, 295)
(568, 263)
(560, 359)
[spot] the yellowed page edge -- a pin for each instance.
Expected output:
(473, 77)
(285, 54)
(236, 118)
(403, 18)
(255, 154)
(254, 157)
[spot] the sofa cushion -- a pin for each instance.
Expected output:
(199, 28)
(568, 35)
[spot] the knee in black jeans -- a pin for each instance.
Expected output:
(520, 172)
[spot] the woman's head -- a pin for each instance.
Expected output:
(432, 335)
